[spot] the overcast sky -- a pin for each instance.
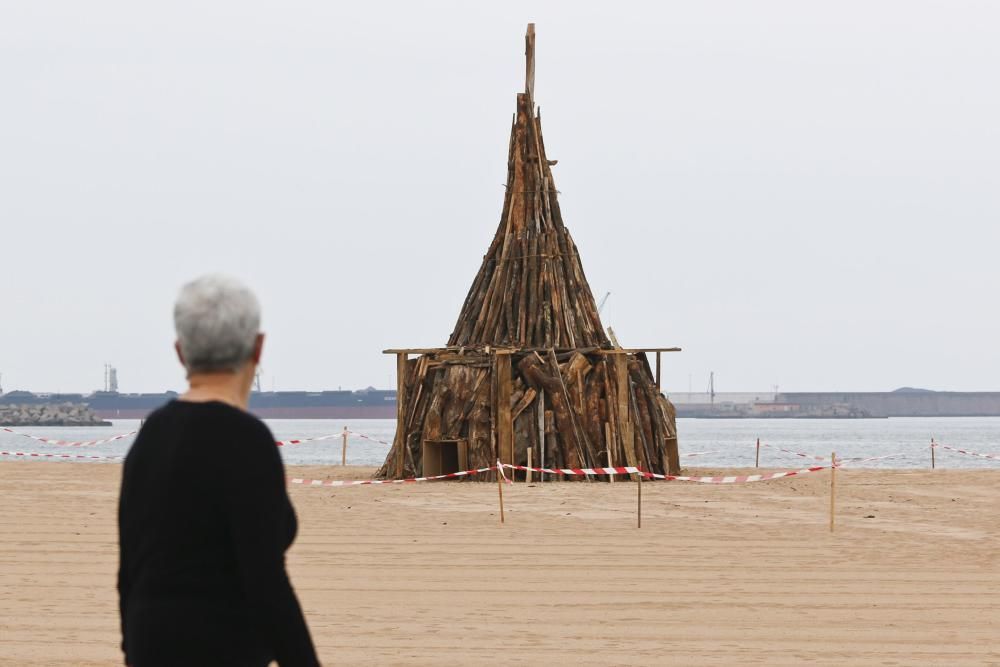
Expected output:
(799, 194)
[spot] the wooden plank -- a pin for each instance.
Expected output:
(624, 419)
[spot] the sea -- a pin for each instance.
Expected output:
(704, 443)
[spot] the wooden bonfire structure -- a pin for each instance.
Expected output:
(528, 365)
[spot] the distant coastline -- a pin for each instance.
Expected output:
(371, 403)
(904, 402)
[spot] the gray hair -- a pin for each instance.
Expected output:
(217, 319)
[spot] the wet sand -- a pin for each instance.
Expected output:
(423, 574)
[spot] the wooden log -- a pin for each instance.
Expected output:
(542, 377)
(520, 404)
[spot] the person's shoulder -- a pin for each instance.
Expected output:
(161, 414)
(248, 428)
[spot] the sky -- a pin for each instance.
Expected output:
(798, 194)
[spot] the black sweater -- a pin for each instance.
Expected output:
(204, 521)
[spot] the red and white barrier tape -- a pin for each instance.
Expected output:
(71, 443)
(789, 451)
(359, 482)
(627, 470)
(995, 457)
(855, 461)
(500, 467)
(61, 456)
(299, 441)
(368, 437)
(689, 454)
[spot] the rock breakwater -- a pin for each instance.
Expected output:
(54, 414)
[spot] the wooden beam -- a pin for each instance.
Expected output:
(638, 350)
(515, 350)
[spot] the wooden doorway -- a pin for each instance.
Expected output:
(441, 457)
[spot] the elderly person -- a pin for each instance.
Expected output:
(204, 517)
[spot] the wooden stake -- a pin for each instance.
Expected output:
(541, 433)
(932, 454)
(500, 489)
(343, 451)
(639, 509)
(833, 487)
(607, 440)
(756, 463)
(527, 473)
(505, 423)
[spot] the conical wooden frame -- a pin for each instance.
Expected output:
(528, 365)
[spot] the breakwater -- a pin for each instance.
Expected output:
(50, 414)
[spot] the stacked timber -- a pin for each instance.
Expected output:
(528, 365)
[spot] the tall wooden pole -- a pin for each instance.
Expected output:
(401, 360)
(658, 387)
(833, 487)
(933, 447)
(756, 463)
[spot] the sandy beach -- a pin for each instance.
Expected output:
(424, 574)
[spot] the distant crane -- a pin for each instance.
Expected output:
(110, 378)
(604, 300)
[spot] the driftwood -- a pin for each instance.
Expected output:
(528, 363)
